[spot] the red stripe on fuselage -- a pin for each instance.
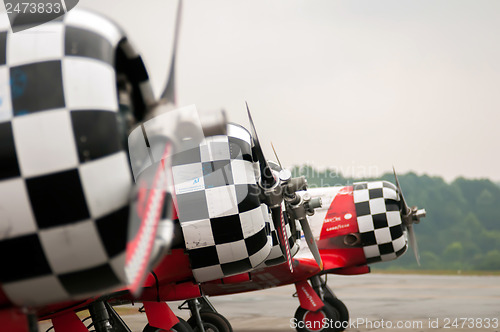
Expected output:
(340, 220)
(341, 216)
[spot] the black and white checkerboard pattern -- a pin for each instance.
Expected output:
(222, 218)
(379, 220)
(65, 180)
(276, 256)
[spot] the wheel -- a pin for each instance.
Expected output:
(341, 309)
(324, 320)
(182, 326)
(212, 322)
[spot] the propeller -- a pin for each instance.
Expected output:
(273, 198)
(409, 217)
(284, 188)
(155, 231)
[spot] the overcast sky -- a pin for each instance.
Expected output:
(354, 85)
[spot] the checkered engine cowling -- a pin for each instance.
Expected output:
(379, 220)
(217, 201)
(65, 179)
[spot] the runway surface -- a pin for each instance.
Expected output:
(376, 302)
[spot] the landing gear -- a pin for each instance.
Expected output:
(100, 316)
(335, 312)
(105, 318)
(204, 317)
(327, 295)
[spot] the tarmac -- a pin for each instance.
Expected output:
(376, 302)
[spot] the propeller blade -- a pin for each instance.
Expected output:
(413, 242)
(401, 197)
(276, 155)
(409, 217)
(266, 175)
(311, 243)
(279, 225)
(169, 94)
